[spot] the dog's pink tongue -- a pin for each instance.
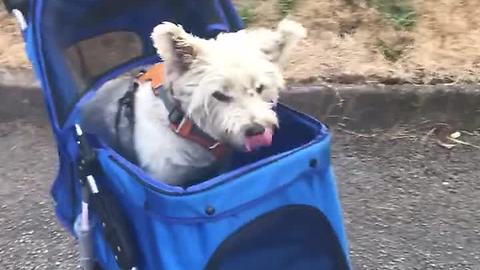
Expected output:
(257, 141)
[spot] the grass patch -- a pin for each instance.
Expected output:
(350, 2)
(247, 13)
(286, 6)
(389, 52)
(400, 12)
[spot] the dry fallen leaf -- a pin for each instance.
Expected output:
(445, 145)
(455, 135)
(464, 143)
(442, 132)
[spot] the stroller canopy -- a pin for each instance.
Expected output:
(79, 41)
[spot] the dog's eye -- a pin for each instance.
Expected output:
(260, 88)
(221, 96)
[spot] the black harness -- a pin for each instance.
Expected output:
(126, 109)
(179, 123)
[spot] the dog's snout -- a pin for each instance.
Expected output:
(254, 129)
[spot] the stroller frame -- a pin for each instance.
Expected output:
(291, 218)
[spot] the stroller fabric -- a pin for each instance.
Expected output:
(275, 209)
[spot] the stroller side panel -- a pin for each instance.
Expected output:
(177, 232)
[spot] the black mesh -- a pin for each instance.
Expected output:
(294, 237)
(67, 24)
(93, 57)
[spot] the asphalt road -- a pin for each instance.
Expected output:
(408, 205)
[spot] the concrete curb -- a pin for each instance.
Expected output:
(357, 107)
(365, 107)
(23, 78)
(22, 103)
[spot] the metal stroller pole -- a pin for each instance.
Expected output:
(83, 224)
(114, 224)
(84, 240)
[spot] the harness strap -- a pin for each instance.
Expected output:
(126, 107)
(179, 122)
(127, 104)
(155, 75)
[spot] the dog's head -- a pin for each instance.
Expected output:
(228, 85)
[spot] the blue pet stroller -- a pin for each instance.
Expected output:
(275, 209)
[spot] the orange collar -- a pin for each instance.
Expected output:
(179, 122)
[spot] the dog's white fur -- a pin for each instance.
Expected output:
(234, 64)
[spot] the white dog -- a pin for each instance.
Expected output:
(221, 93)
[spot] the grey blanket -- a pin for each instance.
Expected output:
(98, 117)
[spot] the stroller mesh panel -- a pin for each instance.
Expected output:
(93, 57)
(292, 237)
(66, 24)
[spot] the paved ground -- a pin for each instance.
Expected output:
(30, 236)
(407, 205)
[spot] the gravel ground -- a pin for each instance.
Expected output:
(407, 205)
(30, 237)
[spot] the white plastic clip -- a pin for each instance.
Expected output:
(78, 129)
(214, 146)
(181, 125)
(92, 184)
(22, 23)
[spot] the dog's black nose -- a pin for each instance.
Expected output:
(254, 129)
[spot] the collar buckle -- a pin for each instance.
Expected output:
(215, 145)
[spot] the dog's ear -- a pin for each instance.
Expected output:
(175, 46)
(280, 42)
